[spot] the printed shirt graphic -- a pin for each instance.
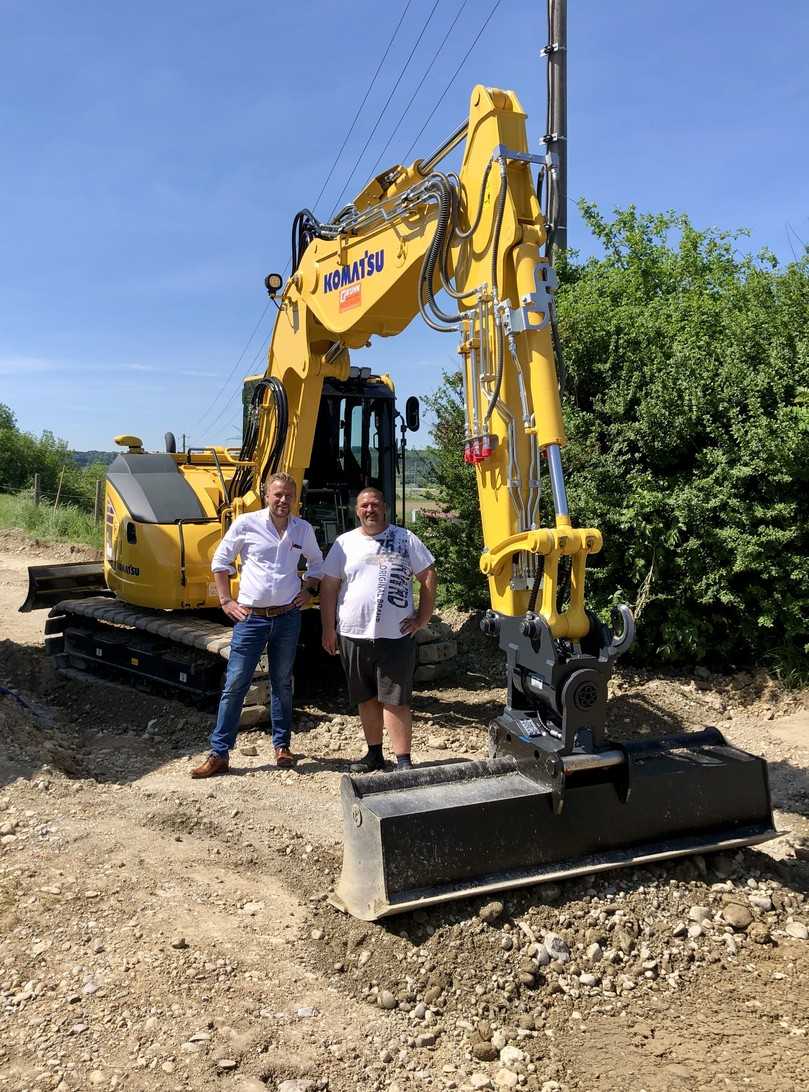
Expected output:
(376, 593)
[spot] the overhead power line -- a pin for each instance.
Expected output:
(227, 405)
(391, 40)
(265, 342)
(235, 366)
(452, 78)
(364, 100)
(384, 108)
(419, 86)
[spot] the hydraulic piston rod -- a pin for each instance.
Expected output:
(554, 456)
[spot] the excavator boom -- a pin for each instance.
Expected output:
(556, 797)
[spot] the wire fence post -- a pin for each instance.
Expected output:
(58, 489)
(37, 490)
(97, 506)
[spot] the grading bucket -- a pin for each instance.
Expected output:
(437, 833)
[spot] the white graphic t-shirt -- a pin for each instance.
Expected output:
(376, 593)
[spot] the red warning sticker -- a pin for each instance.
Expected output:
(350, 296)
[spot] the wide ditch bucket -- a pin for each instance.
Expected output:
(438, 833)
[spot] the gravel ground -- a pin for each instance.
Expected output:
(161, 933)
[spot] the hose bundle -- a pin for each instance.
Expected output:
(242, 479)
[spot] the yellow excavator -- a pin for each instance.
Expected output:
(556, 797)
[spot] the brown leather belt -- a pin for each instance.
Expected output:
(271, 612)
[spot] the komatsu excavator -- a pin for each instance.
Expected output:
(556, 797)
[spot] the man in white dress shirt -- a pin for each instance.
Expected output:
(271, 543)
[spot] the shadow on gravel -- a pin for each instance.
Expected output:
(632, 716)
(789, 786)
(456, 712)
(86, 728)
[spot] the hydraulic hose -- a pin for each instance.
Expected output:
(498, 224)
(240, 483)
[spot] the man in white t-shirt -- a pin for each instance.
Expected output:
(366, 608)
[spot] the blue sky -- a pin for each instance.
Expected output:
(155, 154)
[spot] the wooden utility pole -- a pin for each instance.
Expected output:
(37, 490)
(556, 136)
(97, 506)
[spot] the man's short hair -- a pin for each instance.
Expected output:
(372, 489)
(280, 476)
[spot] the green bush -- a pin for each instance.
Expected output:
(454, 534)
(687, 411)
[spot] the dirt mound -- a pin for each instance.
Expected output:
(507, 978)
(14, 541)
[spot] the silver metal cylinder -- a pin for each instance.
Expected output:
(554, 455)
(595, 760)
(424, 166)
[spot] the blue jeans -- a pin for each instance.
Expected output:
(279, 636)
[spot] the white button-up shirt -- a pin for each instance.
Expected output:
(270, 561)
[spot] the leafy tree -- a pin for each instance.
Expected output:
(687, 412)
(453, 534)
(22, 455)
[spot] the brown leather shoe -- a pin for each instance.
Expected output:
(284, 758)
(214, 764)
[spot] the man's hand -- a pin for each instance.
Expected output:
(303, 598)
(412, 625)
(235, 611)
(330, 641)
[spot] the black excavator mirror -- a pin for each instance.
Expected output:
(273, 282)
(412, 411)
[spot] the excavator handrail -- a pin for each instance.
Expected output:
(219, 453)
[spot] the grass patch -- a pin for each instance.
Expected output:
(67, 523)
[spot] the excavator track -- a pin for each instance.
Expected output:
(179, 650)
(182, 651)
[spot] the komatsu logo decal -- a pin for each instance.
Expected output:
(372, 261)
(127, 570)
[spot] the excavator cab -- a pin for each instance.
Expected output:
(354, 447)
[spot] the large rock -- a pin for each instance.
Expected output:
(490, 912)
(556, 947)
(737, 915)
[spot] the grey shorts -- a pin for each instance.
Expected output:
(381, 668)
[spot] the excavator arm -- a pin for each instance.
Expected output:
(411, 232)
(556, 796)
